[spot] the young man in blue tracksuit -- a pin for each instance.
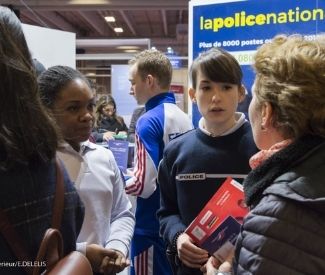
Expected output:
(150, 77)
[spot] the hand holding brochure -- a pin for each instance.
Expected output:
(218, 224)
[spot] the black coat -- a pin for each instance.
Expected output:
(285, 231)
(112, 125)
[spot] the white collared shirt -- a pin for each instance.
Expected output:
(109, 220)
(240, 120)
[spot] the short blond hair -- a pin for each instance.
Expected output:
(155, 63)
(290, 75)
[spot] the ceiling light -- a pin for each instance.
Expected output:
(128, 47)
(109, 18)
(118, 29)
(131, 51)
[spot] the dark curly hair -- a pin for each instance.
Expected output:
(54, 79)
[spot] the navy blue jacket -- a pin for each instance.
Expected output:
(196, 153)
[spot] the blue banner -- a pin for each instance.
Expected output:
(241, 27)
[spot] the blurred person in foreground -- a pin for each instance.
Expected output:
(28, 144)
(284, 233)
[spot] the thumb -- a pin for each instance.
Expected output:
(110, 253)
(127, 262)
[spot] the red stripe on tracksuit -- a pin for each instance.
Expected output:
(136, 187)
(142, 263)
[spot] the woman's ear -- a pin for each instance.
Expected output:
(241, 93)
(266, 112)
(191, 92)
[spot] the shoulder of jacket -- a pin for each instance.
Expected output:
(179, 140)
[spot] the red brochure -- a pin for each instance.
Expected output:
(218, 224)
